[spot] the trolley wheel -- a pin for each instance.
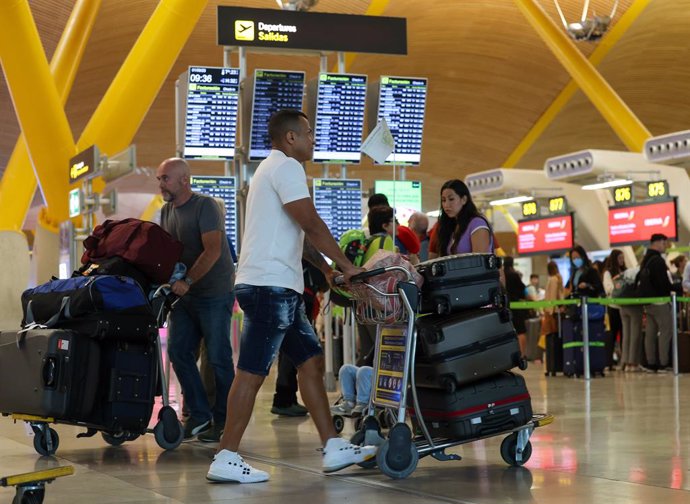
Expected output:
(131, 436)
(338, 423)
(509, 450)
(116, 439)
(41, 441)
(358, 439)
(522, 364)
(397, 464)
(168, 431)
(29, 496)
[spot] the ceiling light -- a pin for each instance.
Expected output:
(510, 201)
(607, 184)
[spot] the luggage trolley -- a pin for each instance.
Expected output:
(168, 431)
(399, 453)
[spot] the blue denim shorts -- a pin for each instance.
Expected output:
(274, 319)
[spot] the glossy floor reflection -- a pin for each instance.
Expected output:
(621, 439)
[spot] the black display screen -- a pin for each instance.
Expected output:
(339, 203)
(223, 188)
(211, 119)
(273, 90)
(339, 118)
(402, 101)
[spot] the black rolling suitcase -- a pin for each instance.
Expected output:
(481, 408)
(128, 385)
(458, 282)
(48, 373)
(573, 347)
(464, 347)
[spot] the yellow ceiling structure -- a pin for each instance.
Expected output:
(490, 78)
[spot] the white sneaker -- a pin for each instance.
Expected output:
(229, 466)
(340, 453)
(342, 408)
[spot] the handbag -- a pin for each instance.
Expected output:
(548, 324)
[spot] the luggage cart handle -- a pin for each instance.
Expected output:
(360, 277)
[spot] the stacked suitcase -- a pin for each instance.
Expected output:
(87, 356)
(466, 347)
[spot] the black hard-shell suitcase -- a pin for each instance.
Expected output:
(464, 347)
(573, 347)
(48, 373)
(128, 385)
(554, 354)
(458, 282)
(481, 408)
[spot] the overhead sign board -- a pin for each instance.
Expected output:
(317, 31)
(635, 224)
(85, 164)
(547, 235)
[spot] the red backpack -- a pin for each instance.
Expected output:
(144, 244)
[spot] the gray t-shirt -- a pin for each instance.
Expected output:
(187, 223)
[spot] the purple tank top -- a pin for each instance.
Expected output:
(464, 245)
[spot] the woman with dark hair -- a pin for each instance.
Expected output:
(613, 267)
(515, 289)
(584, 279)
(461, 228)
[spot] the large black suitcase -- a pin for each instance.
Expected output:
(128, 385)
(464, 347)
(458, 282)
(573, 347)
(48, 373)
(481, 408)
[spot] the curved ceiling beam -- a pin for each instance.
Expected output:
(616, 113)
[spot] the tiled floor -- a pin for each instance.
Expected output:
(621, 439)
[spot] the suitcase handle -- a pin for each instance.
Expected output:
(49, 372)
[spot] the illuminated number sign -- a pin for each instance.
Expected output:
(622, 194)
(558, 205)
(658, 189)
(529, 208)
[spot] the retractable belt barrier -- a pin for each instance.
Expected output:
(672, 299)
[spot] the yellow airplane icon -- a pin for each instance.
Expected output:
(244, 30)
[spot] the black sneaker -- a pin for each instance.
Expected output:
(192, 427)
(294, 410)
(211, 435)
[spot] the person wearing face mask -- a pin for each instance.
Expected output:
(584, 279)
(654, 280)
(461, 228)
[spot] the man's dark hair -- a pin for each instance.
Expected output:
(533, 275)
(376, 200)
(377, 217)
(283, 121)
(658, 237)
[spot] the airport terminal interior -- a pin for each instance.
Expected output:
(567, 120)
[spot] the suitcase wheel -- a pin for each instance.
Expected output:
(34, 496)
(41, 437)
(509, 449)
(114, 439)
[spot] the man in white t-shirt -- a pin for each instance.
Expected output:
(269, 286)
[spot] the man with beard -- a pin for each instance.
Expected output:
(206, 297)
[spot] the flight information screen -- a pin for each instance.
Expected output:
(211, 119)
(223, 188)
(402, 101)
(339, 203)
(339, 118)
(273, 90)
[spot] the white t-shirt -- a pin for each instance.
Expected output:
(271, 253)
